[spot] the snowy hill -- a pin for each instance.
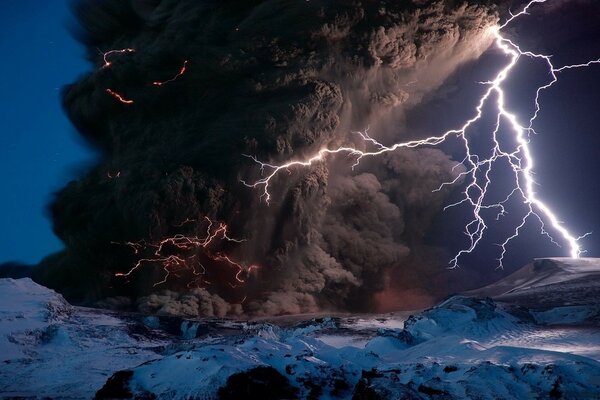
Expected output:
(465, 347)
(51, 349)
(544, 272)
(556, 290)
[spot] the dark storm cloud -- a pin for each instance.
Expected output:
(279, 80)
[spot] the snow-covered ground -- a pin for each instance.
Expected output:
(522, 344)
(51, 349)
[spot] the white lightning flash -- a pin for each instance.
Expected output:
(478, 169)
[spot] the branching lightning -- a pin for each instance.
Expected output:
(181, 253)
(478, 168)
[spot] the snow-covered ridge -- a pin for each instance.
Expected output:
(49, 348)
(465, 347)
(557, 291)
(543, 272)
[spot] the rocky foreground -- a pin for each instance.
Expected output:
(536, 335)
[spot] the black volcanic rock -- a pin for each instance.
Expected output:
(378, 386)
(264, 383)
(116, 387)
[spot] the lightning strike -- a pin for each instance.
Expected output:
(174, 78)
(181, 253)
(108, 54)
(119, 97)
(478, 168)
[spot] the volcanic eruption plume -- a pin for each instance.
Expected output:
(182, 90)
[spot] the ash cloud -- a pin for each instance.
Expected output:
(278, 80)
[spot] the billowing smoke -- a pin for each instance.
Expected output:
(278, 80)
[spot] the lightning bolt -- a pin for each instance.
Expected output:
(106, 55)
(119, 97)
(477, 168)
(107, 63)
(180, 253)
(181, 72)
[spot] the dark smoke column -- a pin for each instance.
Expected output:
(203, 83)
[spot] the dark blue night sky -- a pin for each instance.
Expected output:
(39, 148)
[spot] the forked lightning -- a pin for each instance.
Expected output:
(478, 168)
